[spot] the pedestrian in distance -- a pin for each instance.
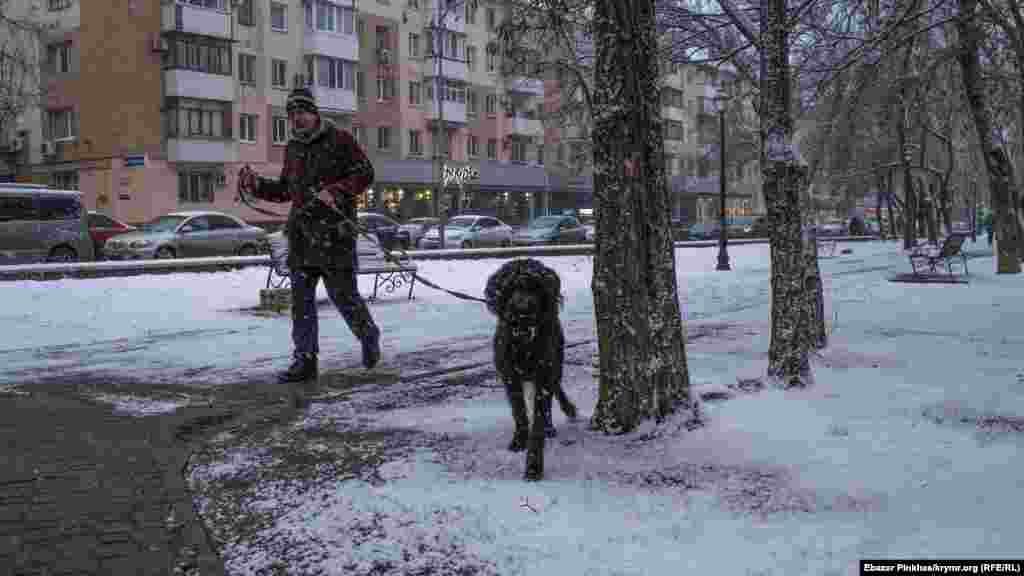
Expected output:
(325, 170)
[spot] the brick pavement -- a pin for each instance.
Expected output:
(85, 491)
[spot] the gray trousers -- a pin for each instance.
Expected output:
(343, 292)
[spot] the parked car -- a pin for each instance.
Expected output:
(38, 223)
(832, 228)
(556, 229)
(103, 228)
(388, 232)
(469, 231)
(416, 228)
(190, 235)
(704, 231)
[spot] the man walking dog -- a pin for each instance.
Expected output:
(324, 171)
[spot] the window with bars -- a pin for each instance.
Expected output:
(196, 186)
(194, 118)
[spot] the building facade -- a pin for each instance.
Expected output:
(154, 105)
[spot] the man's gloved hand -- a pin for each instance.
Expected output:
(247, 182)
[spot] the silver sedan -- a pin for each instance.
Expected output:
(188, 235)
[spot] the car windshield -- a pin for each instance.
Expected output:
(461, 222)
(546, 222)
(163, 224)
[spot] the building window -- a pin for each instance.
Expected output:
(414, 3)
(55, 5)
(385, 88)
(415, 143)
(471, 8)
(360, 84)
(207, 55)
(383, 137)
(280, 129)
(278, 17)
(247, 127)
(491, 22)
(335, 73)
(414, 45)
(540, 154)
(60, 125)
(414, 93)
(472, 146)
(245, 13)
(382, 37)
(196, 187)
(278, 73)
(358, 134)
(492, 149)
(561, 153)
(194, 118)
(492, 104)
(471, 58)
(326, 17)
(471, 103)
(64, 180)
(492, 58)
(518, 150)
(247, 68)
(58, 58)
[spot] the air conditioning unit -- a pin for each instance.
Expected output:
(48, 148)
(383, 56)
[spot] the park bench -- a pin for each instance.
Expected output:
(387, 275)
(925, 256)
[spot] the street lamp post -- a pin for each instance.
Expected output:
(723, 232)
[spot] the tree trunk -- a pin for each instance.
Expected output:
(888, 204)
(792, 307)
(643, 369)
(879, 195)
(814, 289)
(909, 211)
(996, 162)
(929, 214)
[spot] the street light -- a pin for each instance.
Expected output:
(718, 99)
(438, 30)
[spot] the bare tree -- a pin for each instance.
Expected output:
(20, 65)
(606, 54)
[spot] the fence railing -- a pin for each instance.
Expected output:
(53, 271)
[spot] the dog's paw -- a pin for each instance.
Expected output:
(518, 443)
(534, 466)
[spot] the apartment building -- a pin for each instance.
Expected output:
(154, 105)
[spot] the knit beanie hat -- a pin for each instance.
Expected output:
(301, 99)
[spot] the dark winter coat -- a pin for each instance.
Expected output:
(329, 158)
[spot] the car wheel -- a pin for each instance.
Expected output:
(467, 244)
(165, 253)
(506, 243)
(62, 254)
(248, 250)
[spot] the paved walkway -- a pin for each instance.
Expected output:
(84, 491)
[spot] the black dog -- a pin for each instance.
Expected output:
(529, 350)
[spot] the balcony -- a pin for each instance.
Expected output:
(335, 100)
(343, 46)
(525, 125)
(454, 112)
(452, 69)
(525, 85)
(206, 151)
(192, 84)
(182, 17)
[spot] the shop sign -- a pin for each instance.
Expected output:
(458, 176)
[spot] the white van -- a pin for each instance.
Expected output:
(40, 224)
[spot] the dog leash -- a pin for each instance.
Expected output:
(365, 233)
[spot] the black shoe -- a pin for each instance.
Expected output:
(371, 348)
(303, 368)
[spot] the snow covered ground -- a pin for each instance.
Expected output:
(908, 444)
